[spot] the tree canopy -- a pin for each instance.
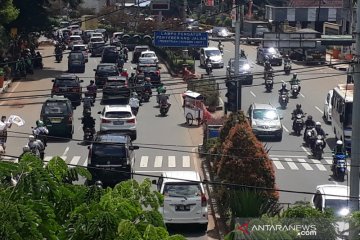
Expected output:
(38, 202)
(8, 11)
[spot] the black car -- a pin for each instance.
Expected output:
(103, 71)
(116, 88)
(97, 49)
(272, 53)
(150, 70)
(111, 158)
(69, 86)
(76, 62)
(245, 71)
(110, 54)
(137, 52)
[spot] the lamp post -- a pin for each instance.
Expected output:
(318, 23)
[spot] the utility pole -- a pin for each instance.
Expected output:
(237, 53)
(185, 9)
(355, 139)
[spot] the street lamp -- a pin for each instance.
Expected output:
(318, 15)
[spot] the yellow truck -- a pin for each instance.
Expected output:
(89, 22)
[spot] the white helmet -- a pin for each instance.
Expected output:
(318, 124)
(339, 142)
(26, 148)
(31, 138)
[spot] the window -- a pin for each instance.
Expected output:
(336, 205)
(106, 69)
(77, 57)
(55, 108)
(213, 53)
(263, 114)
(118, 114)
(182, 190)
(66, 82)
(109, 152)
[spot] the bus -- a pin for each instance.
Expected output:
(341, 113)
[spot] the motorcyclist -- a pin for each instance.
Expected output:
(39, 61)
(163, 98)
(41, 131)
(134, 103)
(92, 89)
(287, 59)
(338, 150)
(207, 60)
(296, 111)
(88, 102)
(126, 52)
(160, 89)
(132, 79)
(58, 50)
(242, 53)
(283, 89)
(34, 144)
(147, 86)
(267, 67)
(309, 123)
(88, 122)
(124, 73)
(318, 132)
(295, 81)
(220, 46)
(26, 149)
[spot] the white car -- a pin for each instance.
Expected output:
(74, 39)
(95, 40)
(95, 34)
(328, 107)
(215, 55)
(118, 118)
(83, 49)
(148, 57)
(116, 38)
(184, 198)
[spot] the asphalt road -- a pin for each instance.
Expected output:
(165, 142)
(295, 169)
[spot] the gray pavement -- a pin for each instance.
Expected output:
(295, 169)
(165, 142)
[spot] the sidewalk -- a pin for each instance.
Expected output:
(339, 63)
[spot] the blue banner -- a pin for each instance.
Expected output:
(180, 39)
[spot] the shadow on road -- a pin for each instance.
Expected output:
(185, 125)
(187, 230)
(42, 74)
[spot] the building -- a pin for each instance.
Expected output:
(312, 14)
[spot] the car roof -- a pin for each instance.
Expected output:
(114, 137)
(67, 76)
(79, 45)
(147, 51)
(183, 175)
(211, 48)
(56, 98)
(78, 36)
(116, 78)
(109, 108)
(142, 46)
(106, 64)
(263, 106)
(341, 191)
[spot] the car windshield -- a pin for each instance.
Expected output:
(79, 48)
(338, 206)
(141, 49)
(148, 68)
(98, 45)
(97, 39)
(115, 83)
(75, 38)
(263, 114)
(118, 114)
(65, 82)
(272, 51)
(55, 108)
(148, 55)
(100, 151)
(110, 50)
(77, 56)
(243, 65)
(182, 190)
(106, 69)
(89, 33)
(213, 53)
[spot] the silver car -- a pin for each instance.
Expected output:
(265, 121)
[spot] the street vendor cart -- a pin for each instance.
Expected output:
(193, 107)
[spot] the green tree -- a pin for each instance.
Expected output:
(41, 203)
(8, 11)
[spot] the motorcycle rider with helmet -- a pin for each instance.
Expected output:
(7, 124)
(134, 103)
(283, 89)
(34, 144)
(338, 150)
(163, 98)
(242, 53)
(309, 123)
(207, 61)
(88, 122)
(41, 132)
(267, 67)
(318, 132)
(147, 86)
(92, 90)
(296, 111)
(287, 59)
(295, 81)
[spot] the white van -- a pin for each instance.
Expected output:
(215, 55)
(184, 198)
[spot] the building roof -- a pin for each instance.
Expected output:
(315, 3)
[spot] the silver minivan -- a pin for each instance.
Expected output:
(215, 55)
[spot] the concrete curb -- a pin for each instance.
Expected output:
(340, 67)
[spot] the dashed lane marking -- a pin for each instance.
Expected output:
(144, 161)
(186, 161)
(291, 164)
(318, 165)
(305, 164)
(158, 161)
(317, 108)
(251, 92)
(171, 161)
(277, 164)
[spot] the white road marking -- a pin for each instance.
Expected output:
(291, 164)
(47, 159)
(277, 164)
(227, 50)
(158, 161)
(328, 161)
(63, 158)
(302, 95)
(305, 164)
(317, 108)
(144, 161)
(336, 183)
(75, 160)
(305, 150)
(85, 163)
(186, 161)
(252, 93)
(318, 165)
(283, 81)
(172, 161)
(286, 130)
(66, 150)
(10, 93)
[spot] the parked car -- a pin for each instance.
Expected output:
(76, 62)
(185, 201)
(150, 70)
(81, 48)
(111, 158)
(57, 115)
(118, 118)
(265, 120)
(103, 71)
(245, 71)
(215, 57)
(116, 88)
(94, 40)
(328, 107)
(74, 39)
(110, 54)
(273, 54)
(69, 86)
(97, 49)
(148, 56)
(137, 52)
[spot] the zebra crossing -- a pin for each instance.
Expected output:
(143, 162)
(302, 163)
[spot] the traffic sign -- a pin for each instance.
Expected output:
(180, 39)
(160, 5)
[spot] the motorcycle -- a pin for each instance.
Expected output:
(339, 169)
(147, 94)
(287, 68)
(58, 57)
(37, 148)
(309, 135)
(298, 124)
(295, 90)
(283, 100)
(269, 83)
(268, 73)
(164, 109)
(42, 137)
(38, 62)
(318, 147)
(208, 68)
(88, 135)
